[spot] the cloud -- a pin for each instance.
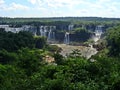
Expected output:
(1, 2)
(56, 3)
(32, 1)
(105, 8)
(14, 6)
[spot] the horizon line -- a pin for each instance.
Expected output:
(61, 17)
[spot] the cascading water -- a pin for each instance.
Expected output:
(70, 27)
(41, 31)
(35, 34)
(51, 34)
(97, 34)
(45, 31)
(67, 38)
(54, 27)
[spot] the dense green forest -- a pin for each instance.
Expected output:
(23, 64)
(7, 19)
(57, 21)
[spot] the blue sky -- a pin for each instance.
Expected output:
(59, 8)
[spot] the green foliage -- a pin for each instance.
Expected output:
(79, 29)
(29, 60)
(80, 34)
(29, 72)
(75, 53)
(58, 58)
(53, 48)
(73, 19)
(6, 57)
(10, 77)
(113, 38)
(14, 41)
(40, 42)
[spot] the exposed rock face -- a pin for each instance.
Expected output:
(49, 59)
(85, 51)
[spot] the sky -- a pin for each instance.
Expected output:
(60, 8)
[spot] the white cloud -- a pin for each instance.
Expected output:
(1, 2)
(105, 8)
(56, 3)
(32, 1)
(14, 6)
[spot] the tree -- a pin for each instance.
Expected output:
(58, 58)
(113, 39)
(10, 77)
(29, 60)
(80, 34)
(75, 53)
(40, 42)
(14, 41)
(7, 58)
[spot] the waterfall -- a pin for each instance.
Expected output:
(43, 30)
(97, 34)
(44, 34)
(70, 27)
(51, 34)
(67, 38)
(35, 34)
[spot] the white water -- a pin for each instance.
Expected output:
(51, 34)
(67, 38)
(70, 27)
(98, 32)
